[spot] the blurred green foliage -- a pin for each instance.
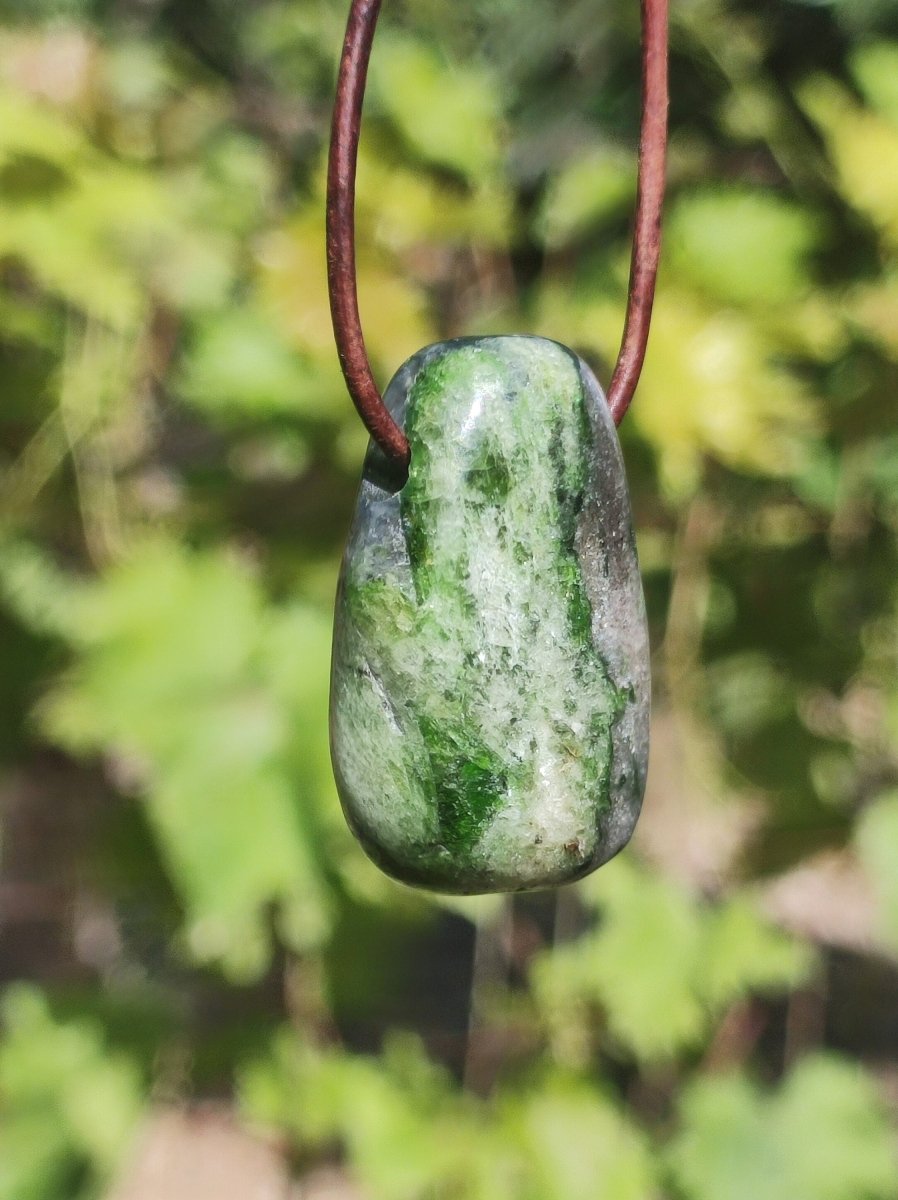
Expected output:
(178, 461)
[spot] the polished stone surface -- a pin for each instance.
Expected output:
(490, 686)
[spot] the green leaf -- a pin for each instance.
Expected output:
(858, 139)
(742, 246)
(448, 115)
(876, 69)
(700, 354)
(104, 233)
(578, 1146)
(41, 596)
(745, 692)
(744, 953)
(176, 678)
(241, 367)
(644, 960)
(403, 208)
(824, 1135)
(662, 965)
(590, 188)
(72, 1101)
(295, 1087)
(292, 287)
(877, 839)
(405, 1132)
(36, 1159)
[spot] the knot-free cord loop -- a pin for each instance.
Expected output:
(341, 263)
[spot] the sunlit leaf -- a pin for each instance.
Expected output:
(240, 367)
(171, 677)
(740, 245)
(448, 114)
(857, 139)
(743, 953)
(580, 1147)
(877, 836)
(876, 69)
(293, 282)
(710, 385)
(403, 207)
(587, 190)
(75, 1102)
(823, 1135)
(661, 964)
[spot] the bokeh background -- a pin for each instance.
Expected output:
(207, 991)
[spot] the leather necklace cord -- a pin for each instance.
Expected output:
(341, 259)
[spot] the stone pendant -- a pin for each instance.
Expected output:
(490, 683)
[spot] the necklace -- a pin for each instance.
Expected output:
(490, 678)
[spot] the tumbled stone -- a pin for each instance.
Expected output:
(490, 684)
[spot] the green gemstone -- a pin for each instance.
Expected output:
(490, 685)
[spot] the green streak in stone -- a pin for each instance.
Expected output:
(472, 710)
(468, 780)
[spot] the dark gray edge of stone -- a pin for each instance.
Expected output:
(619, 627)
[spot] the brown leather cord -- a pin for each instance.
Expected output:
(341, 263)
(341, 268)
(649, 208)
